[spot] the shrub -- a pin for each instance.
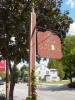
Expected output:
(2, 97)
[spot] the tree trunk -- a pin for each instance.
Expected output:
(7, 78)
(12, 83)
(11, 91)
(70, 71)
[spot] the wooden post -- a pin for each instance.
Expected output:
(32, 50)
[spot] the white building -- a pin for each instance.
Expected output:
(54, 75)
(42, 72)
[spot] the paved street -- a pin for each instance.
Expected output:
(45, 92)
(56, 92)
(21, 91)
(2, 88)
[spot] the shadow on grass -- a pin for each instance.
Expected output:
(55, 88)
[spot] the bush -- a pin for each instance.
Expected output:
(71, 85)
(28, 98)
(2, 97)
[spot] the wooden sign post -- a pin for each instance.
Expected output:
(32, 50)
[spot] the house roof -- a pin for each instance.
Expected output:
(51, 69)
(41, 65)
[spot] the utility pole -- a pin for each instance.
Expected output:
(32, 47)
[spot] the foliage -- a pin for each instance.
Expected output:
(17, 73)
(14, 22)
(3, 75)
(58, 65)
(66, 66)
(22, 70)
(69, 56)
(24, 67)
(50, 63)
(2, 97)
(34, 85)
(28, 98)
(69, 51)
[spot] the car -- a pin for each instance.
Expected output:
(71, 85)
(1, 82)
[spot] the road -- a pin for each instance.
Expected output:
(20, 91)
(45, 92)
(56, 92)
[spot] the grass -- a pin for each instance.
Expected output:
(61, 82)
(58, 82)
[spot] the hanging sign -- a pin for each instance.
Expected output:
(49, 45)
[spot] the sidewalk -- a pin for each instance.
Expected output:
(2, 91)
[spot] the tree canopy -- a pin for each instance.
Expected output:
(58, 65)
(22, 70)
(15, 20)
(69, 51)
(69, 56)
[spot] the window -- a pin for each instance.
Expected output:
(40, 68)
(54, 77)
(47, 72)
(38, 72)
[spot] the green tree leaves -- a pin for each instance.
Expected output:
(69, 55)
(22, 70)
(14, 22)
(58, 65)
(69, 51)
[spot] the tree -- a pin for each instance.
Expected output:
(69, 56)
(50, 63)
(58, 65)
(22, 70)
(14, 23)
(17, 74)
(15, 16)
(3, 75)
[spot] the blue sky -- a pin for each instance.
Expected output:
(66, 5)
(70, 5)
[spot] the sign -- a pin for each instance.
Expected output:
(49, 45)
(2, 65)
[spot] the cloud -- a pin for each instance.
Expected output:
(72, 29)
(71, 3)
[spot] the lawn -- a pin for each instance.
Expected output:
(58, 82)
